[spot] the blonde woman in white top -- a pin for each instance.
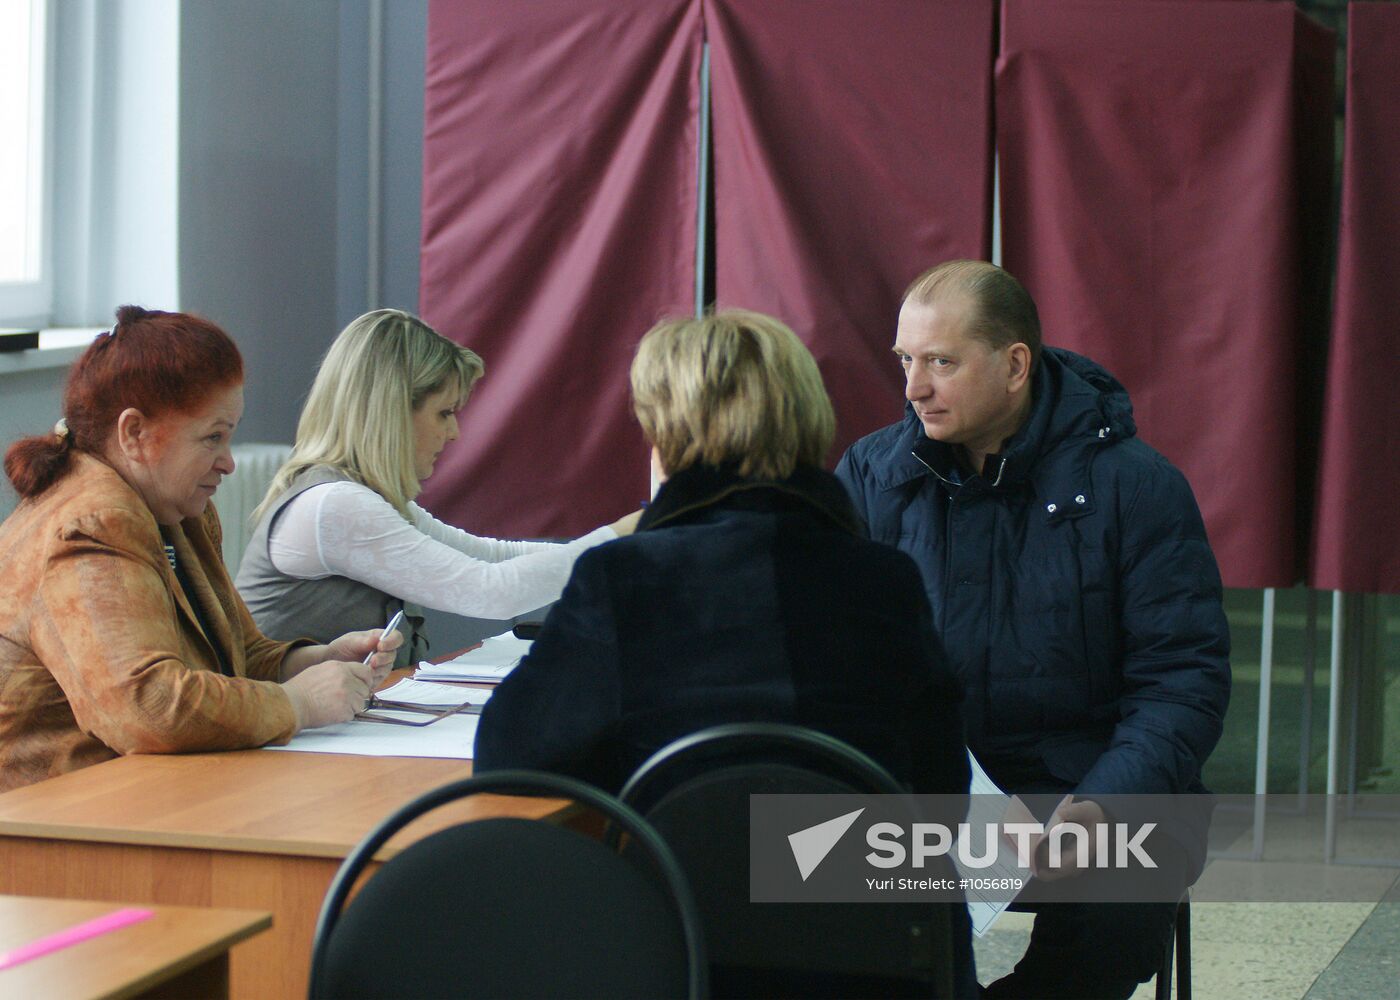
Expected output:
(338, 535)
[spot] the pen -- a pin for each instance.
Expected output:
(393, 624)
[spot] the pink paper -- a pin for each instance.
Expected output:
(72, 935)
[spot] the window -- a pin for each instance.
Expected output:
(24, 287)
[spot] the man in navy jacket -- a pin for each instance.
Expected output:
(1071, 583)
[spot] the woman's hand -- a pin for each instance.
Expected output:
(352, 647)
(355, 646)
(330, 692)
(626, 525)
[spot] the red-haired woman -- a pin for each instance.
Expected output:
(120, 631)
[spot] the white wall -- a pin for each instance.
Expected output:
(274, 147)
(224, 171)
(404, 35)
(29, 404)
(257, 228)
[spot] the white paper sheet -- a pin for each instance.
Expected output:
(493, 660)
(504, 644)
(453, 671)
(416, 692)
(988, 805)
(452, 737)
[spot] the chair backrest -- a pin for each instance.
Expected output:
(254, 465)
(696, 793)
(511, 908)
(746, 742)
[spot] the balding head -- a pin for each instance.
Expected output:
(998, 310)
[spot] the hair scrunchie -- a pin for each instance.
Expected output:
(61, 432)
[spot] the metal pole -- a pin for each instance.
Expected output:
(702, 169)
(1353, 731)
(1309, 680)
(1334, 725)
(374, 209)
(1261, 751)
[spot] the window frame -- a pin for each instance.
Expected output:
(30, 303)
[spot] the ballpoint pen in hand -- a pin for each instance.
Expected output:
(393, 624)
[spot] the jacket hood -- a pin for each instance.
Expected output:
(1109, 395)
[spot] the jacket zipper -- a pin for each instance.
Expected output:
(1001, 469)
(981, 707)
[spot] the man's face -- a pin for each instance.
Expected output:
(960, 386)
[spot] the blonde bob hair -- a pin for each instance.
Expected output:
(734, 387)
(358, 418)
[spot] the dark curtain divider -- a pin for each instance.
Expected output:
(1357, 535)
(559, 203)
(1162, 199)
(852, 150)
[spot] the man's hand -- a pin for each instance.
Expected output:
(1085, 814)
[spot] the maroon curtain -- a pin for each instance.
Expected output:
(559, 204)
(852, 150)
(1357, 535)
(1159, 200)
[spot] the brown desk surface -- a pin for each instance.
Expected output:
(310, 804)
(250, 829)
(126, 962)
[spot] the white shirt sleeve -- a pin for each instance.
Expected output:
(345, 529)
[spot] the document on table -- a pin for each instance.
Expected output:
(493, 660)
(430, 695)
(451, 737)
(988, 804)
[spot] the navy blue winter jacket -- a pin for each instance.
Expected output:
(1072, 586)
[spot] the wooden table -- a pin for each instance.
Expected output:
(252, 829)
(179, 952)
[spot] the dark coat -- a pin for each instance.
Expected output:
(736, 600)
(1072, 587)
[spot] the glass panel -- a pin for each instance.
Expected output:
(22, 125)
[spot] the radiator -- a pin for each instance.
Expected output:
(254, 465)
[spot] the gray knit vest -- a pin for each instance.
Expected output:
(287, 608)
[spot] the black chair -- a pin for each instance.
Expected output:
(696, 793)
(511, 908)
(1181, 938)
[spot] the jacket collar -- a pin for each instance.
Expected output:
(702, 487)
(900, 464)
(88, 464)
(1014, 461)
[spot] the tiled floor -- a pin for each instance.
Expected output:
(1344, 949)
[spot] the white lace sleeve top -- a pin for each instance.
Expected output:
(346, 529)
